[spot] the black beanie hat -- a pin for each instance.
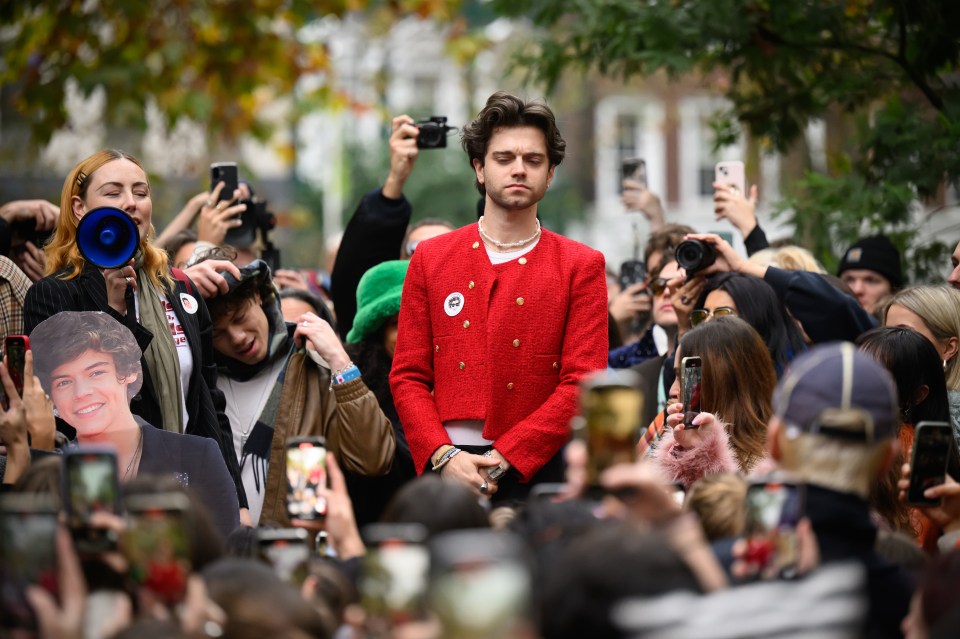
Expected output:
(874, 253)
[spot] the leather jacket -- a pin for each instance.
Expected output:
(347, 415)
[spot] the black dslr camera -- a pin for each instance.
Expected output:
(433, 133)
(694, 255)
(257, 219)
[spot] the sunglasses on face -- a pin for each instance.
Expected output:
(658, 286)
(701, 315)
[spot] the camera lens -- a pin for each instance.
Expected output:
(694, 255)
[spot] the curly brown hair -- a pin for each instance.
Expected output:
(506, 111)
(227, 303)
(67, 335)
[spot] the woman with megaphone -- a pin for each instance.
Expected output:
(109, 264)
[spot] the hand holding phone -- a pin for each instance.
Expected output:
(156, 544)
(287, 550)
(774, 510)
(634, 169)
(28, 528)
(15, 348)
(732, 173)
(631, 272)
(90, 484)
(932, 443)
(393, 582)
(691, 388)
(225, 172)
(480, 584)
(611, 404)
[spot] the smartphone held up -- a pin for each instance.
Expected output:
(611, 403)
(634, 169)
(306, 476)
(156, 544)
(932, 443)
(691, 388)
(774, 510)
(90, 484)
(28, 528)
(732, 173)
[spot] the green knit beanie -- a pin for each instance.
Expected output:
(378, 297)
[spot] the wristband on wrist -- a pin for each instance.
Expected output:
(351, 373)
(344, 374)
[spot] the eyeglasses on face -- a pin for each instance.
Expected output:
(701, 315)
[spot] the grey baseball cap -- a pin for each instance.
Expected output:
(834, 390)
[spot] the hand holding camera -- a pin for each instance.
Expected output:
(706, 253)
(403, 155)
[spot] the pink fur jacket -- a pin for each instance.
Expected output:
(713, 457)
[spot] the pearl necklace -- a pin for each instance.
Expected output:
(507, 245)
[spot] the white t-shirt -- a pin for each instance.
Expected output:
(245, 402)
(183, 353)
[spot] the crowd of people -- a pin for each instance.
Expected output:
(198, 445)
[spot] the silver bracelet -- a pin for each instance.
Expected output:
(447, 456)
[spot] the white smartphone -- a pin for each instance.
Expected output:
(732, 173)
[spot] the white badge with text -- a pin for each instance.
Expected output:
(453, 304)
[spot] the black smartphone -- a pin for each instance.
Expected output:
(306, 474)
(28, 529)
(773, 511)
(480, 584)
(90, 484)
(156, 544)
(631, 272)
(634, 169)
(691, 388)
(393, 582)
(611, 403)
(225, 172)
(15, 347)
(287, 550)
(932, 443)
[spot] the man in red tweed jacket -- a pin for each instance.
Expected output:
(499, 320)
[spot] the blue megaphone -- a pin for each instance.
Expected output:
(107, 237)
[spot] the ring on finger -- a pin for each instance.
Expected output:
(483, 487)
(221, 206)
(209, 202)
(684, 299)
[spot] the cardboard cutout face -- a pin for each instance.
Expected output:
(89, 364)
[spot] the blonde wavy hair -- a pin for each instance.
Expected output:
(62, 250)
(789, 258)
(939, 309)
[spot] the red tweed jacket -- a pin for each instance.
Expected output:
(504, 344)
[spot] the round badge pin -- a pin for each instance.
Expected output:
(453, 304)
(189, 303)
